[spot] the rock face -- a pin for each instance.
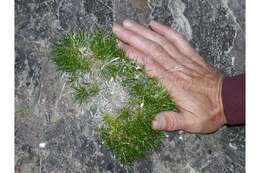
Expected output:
(53, 134)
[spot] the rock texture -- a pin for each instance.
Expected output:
(53, 134)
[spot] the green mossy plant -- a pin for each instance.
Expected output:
(82, 93)
(128, 133)
(19, 109)
(70, 55)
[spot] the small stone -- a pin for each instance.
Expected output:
(42, 145)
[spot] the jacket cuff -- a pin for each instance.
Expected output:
(233, 99)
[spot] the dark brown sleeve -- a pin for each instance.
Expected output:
(233, 99)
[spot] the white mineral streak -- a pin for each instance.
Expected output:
(232, 146)
(180, 22)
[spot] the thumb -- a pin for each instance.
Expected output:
(168, 121)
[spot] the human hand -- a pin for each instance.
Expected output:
(193, 84)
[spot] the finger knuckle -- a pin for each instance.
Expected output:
(155, 47)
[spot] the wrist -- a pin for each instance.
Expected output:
(223, 119)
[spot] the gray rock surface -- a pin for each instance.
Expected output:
(53, 134)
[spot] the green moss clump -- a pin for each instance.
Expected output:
(103, 46)
(19, 109)
(72, 57)
(82, 93)
(69, 56)
(128, 133)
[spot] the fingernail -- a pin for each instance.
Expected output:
(116, 28)
(128, 22)
(155, 124)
